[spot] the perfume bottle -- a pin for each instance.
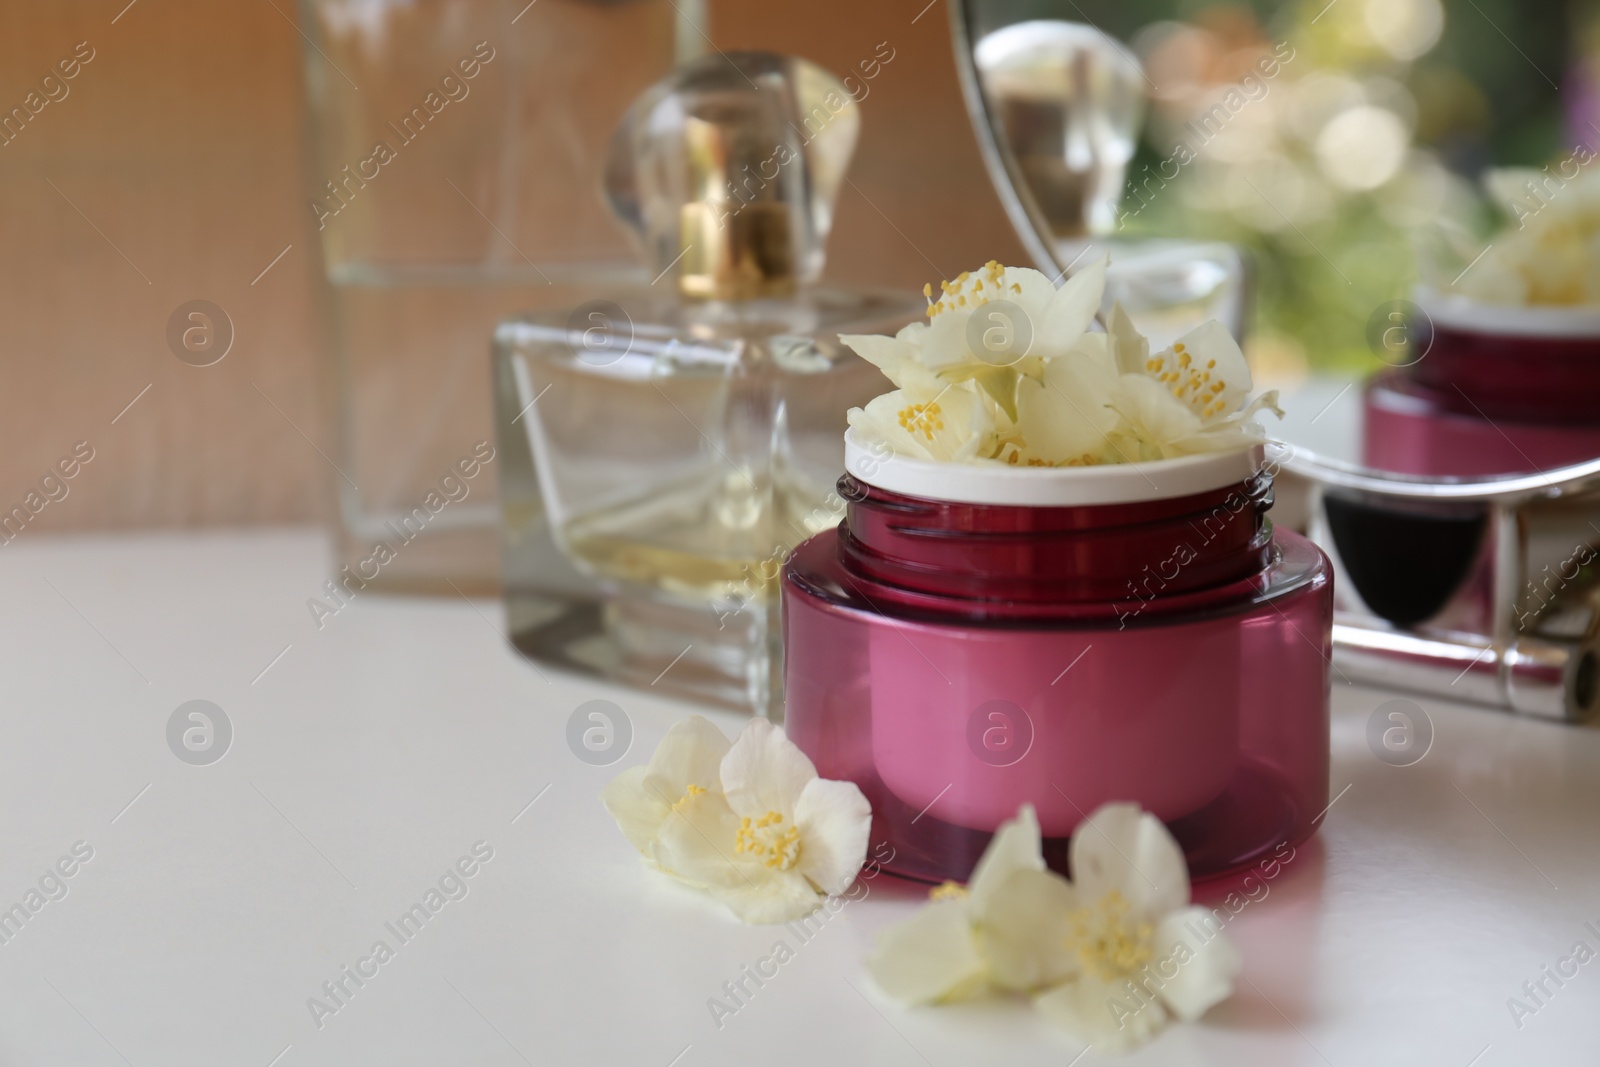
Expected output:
(972, 639)
(1067, 101)
(681, 438)
(1058, 108)
(448, 155)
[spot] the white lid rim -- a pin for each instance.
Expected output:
(1110, 483)
(1458, 312)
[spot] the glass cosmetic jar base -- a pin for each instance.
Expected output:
(1218, 725)
(957, 659)
(1252, 817)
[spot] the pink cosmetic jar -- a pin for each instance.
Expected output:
(973, 638)
(1487, 390)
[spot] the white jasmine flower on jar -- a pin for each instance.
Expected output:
(1049, 320)
(931, 418)
(1003, 344)
(1184, 399)
(1065, 418)
(775, 838)
(1028, 384)
(1141, 954)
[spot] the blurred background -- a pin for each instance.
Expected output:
(176, 169)
(176, 164)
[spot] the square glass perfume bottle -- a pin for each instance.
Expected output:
(667, 447)
(449, 154)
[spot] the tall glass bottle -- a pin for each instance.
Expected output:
(454, 152)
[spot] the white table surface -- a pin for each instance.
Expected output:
(377, 751)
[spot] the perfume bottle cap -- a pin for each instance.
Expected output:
(1067, 101)
(727, 170)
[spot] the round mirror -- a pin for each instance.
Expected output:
(1334, 186)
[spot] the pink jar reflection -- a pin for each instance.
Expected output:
(1063, 638)
(1487, 389)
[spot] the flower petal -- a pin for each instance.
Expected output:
(879, 421)
(948, 345)
(1071, 309)
(1239, 430)
(961, 429)
(1206, 370)
(696, 843)
(1128, 345)
(1154, 417)
(944, 347)
(1014, 847)
(690, 754)
(1207, 962)
(1217, 439)
(1122, 848)
(834, 820)
(639, 813)
(1111, 1018)
(1037, 290)
(889, 354)
(1096, 346)
(1024, 938)
(1067, 416)
(779, 897)
(931, 956)
(764, 771)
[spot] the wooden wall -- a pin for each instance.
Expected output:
(171, 171)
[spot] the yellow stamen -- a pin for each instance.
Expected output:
(922, 418)
(765, 839)
(1108, 944)
(692, 791)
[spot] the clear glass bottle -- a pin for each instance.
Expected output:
(674, 442)
(453, 151)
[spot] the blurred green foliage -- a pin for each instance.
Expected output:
(1485, 94)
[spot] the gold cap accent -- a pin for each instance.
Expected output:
(736, 236)
(727, 171)
(736, 251)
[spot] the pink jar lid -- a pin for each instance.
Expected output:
(1064, 543)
